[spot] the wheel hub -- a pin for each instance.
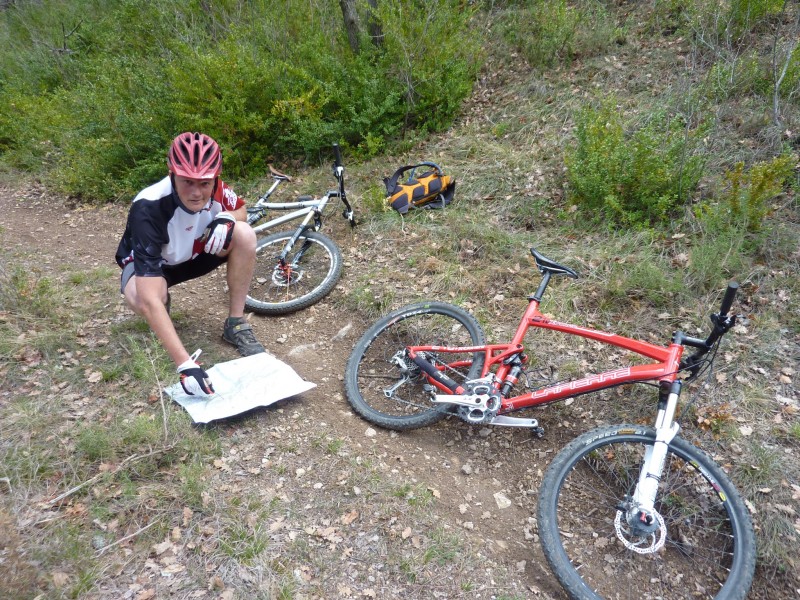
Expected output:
(640, 531)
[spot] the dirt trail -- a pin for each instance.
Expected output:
(469, 468)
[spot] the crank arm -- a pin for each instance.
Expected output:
(513, 422)
(471, 401)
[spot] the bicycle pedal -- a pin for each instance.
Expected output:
(514, 422)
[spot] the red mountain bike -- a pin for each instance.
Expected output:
(624, 510)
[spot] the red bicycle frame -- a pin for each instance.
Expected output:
(665, 369)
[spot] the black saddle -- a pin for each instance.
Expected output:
(546, 265)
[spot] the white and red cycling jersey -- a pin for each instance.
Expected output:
(161, 232)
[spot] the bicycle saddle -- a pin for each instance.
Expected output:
(278, 175)
(546, 265)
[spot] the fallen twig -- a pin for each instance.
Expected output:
(127, 537)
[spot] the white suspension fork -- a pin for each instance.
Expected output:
(656, 455)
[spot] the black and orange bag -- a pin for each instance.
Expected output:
(432, 189)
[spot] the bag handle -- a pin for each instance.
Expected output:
(391, 182)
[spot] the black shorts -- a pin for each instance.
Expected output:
(175, 274)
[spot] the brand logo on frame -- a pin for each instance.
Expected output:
(590, 381)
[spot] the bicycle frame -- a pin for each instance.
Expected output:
(311, 208)
(665, 369)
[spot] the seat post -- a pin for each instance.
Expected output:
(542, 287)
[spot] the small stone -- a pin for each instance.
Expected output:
(502, 500)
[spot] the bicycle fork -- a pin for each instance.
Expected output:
(639, 513)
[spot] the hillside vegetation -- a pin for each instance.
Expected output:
(91, 92)
(653, 146)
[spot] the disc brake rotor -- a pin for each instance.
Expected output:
(647, 544)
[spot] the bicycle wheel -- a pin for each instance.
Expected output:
(379, 390)
(708, 542)
(313, 267)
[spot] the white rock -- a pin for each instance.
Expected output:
(502, 500)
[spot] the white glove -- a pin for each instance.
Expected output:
(194, 379)
(218, 233)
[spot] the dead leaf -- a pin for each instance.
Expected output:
(173, 569)
(159, 549)
(94, 377)
(348, 518)
(796, 493)
(406, 533)
(76, 510)
(60, 579)
(216, 584)
(146, 594)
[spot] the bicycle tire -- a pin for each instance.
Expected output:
(431, 323)
(708, 529)
(273, 293)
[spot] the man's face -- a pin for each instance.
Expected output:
(194, 193)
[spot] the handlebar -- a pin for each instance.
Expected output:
(337, 156)
(727, 301)
(721, 321)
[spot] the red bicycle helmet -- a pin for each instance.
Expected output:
(195, 155)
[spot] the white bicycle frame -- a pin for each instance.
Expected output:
(312, 208)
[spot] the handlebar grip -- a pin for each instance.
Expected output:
(337, 156)
(727, 301)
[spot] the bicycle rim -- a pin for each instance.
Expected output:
(376, 385)
(311, 270)
(709, 549)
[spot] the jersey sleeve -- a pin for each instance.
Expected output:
(148, 235)
(227, 197)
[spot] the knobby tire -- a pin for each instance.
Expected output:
(710, 549)
(370, 372)
(272, 292)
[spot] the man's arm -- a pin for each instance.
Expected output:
(240, 213)
(150, 292)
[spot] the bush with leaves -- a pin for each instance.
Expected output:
(744, 199)
(91, 92)
(634, 175)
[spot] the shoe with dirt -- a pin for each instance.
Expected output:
(240, 333)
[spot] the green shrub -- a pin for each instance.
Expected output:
(100, 111)
(747, 193)
(548, 32)
(635, 178)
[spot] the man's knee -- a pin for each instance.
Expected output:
(133, 299)
(243, 239)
